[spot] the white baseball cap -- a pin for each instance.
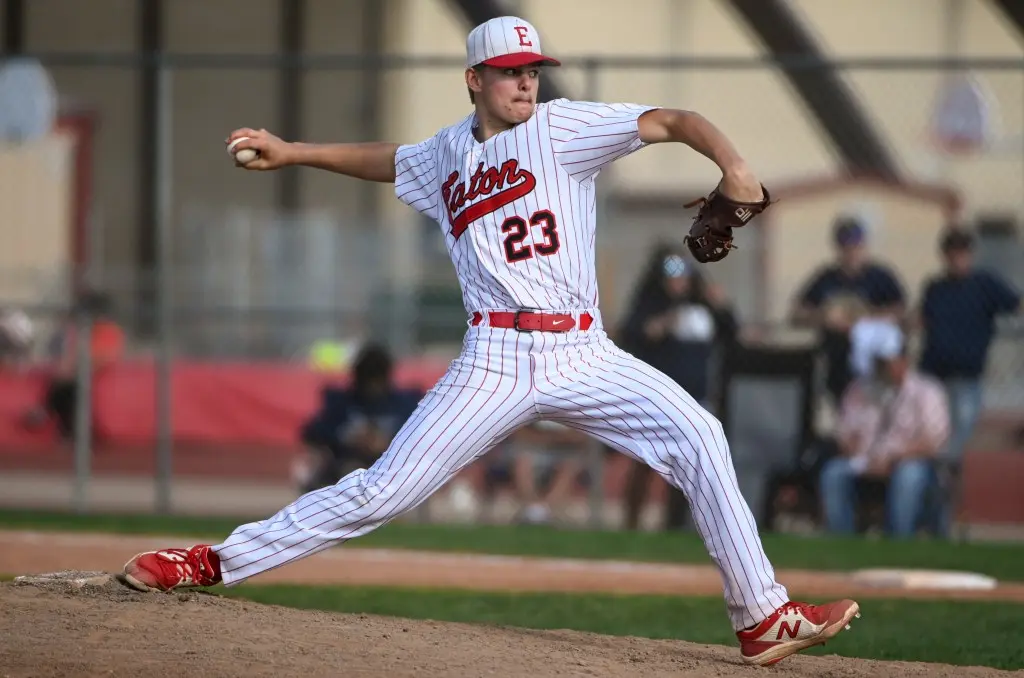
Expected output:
(505, 42)
(874, 339)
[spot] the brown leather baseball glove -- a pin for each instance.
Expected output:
(710, 237)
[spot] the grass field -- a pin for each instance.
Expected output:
(1003, 561)
(962, 633)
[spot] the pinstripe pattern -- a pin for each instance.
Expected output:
(597, 388)
(484, 396)
(563, 147)
(504, 379)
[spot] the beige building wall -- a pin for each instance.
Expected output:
(756, 107)
(901, 102)
(415, 104)
(103, 26)
(204, 177)
(36, 192)
(335, 100)
(207, 104)
(740, 102)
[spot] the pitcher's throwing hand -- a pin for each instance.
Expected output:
(271, 152)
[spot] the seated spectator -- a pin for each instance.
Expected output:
(677, 322)
(355, 424)
(892, 425)
(17, 335)
(839, 294)
(542, 462)
(106, 346)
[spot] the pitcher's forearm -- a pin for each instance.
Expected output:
(373, 161)
(694, 130)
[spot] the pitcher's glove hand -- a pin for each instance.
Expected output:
(710, 237)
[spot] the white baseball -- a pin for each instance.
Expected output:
(246, 155)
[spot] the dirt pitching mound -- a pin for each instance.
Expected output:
(87, 624)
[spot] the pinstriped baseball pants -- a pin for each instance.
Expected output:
(501, 381)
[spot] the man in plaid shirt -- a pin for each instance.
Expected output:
(893, 422)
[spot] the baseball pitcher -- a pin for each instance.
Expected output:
(512, 187)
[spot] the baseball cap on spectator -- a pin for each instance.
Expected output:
(890, 343)
(674, 266)
(505, 42)
(956, 239)
(873, 339)
(849, 232)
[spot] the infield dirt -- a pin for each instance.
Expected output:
(110, 630)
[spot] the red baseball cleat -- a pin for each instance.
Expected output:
(794, 627)
(170, 569)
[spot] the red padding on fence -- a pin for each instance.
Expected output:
(19, 392)
(211, 402)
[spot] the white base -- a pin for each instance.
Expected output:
(924, 579)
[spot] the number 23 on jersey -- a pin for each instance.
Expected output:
(499, 187)
(517, 229)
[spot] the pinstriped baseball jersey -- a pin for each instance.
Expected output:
(518, 215)
(518, 211)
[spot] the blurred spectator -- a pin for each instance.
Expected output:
(355, 424)
(17, 334)
(866, 335)
(837, 295)
(676, 321)
(958, 313)
(106, 346)
(542, 463)
(892, 425)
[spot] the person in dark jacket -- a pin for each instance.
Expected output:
(958, 313)
(839, 294)
(676, 322)
(355, 425)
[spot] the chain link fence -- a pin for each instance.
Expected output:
(238, 279)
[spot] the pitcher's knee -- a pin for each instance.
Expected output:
(699, 443)
(716, 427)
(709, 433)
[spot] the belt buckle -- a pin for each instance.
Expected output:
(515, 319)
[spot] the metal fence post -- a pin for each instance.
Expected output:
(164, 438)
(595, 460)
(595, 451)
(83, 410)
(83, 322)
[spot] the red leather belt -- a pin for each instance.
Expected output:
(534, 321)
